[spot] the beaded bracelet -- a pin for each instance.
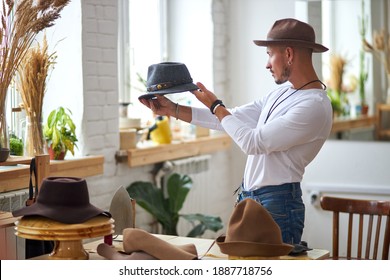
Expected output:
(215, 105)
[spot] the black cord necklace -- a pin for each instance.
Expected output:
(273, 107)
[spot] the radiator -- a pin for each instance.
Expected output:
(197, 168)
(10, 201)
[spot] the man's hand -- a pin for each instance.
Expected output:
(160, 105)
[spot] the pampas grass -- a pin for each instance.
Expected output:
(31, 84)
(21, 21)
(380, 48)
(337, 64)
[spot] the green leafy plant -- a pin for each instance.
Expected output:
(16, 145)
(165, 208)
(60, 132)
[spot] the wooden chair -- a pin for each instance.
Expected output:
(363, 209)
(382, 131)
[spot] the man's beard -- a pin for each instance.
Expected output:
(284, 77)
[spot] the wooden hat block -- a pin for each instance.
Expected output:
(68, 237)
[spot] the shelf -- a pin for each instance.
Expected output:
(15, 172)
(189, 148)
(344, 124)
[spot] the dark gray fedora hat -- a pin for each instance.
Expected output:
(63, 199)
(168, 77)
(292, 32)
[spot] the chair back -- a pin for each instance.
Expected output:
(378, 214)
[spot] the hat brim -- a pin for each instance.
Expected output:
(176, 89)
(318, 48)
(67, 215)
(135, 240)
(248, 249)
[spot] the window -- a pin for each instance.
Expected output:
(142, 34)
(147, 35)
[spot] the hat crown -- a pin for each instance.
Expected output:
(291, 29)
(173, 73)
(64, 191)
(292, 32)
(242, 228)
(252, 232)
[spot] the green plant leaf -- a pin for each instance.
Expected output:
(60, 131)
(197, 231)
(205, 222)
(152, 200)
(178, 189)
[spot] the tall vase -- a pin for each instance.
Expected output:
(34, 142)
(4, 137)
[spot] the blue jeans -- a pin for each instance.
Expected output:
(284, 203)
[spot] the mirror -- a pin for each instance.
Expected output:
(342, 23)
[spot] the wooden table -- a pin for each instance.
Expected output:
(202, 246)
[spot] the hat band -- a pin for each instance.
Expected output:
(166, 85)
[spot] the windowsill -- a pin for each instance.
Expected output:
(15, 172)
(188, 148)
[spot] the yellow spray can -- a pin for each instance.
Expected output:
(160, 132)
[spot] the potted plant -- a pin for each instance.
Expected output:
(16, 145)
(60, 133)
(165, 208)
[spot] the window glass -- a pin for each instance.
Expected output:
(153, 31)
(142, 32)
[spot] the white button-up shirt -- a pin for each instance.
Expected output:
(280, 149)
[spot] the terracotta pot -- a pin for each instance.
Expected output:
(364, 110)
(61, 156)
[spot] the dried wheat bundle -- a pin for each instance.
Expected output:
(380, 48)
(31, 84)
(337, 64)
(21, 21)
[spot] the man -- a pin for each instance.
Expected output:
(281, 133)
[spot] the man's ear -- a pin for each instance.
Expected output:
(289, 52)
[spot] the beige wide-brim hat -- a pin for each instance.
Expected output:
(252, 232)
(142, 245)
(292, 32)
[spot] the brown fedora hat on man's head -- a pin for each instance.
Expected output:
(63, 199)
(292, 32)
(252, 232)
(168, 77)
